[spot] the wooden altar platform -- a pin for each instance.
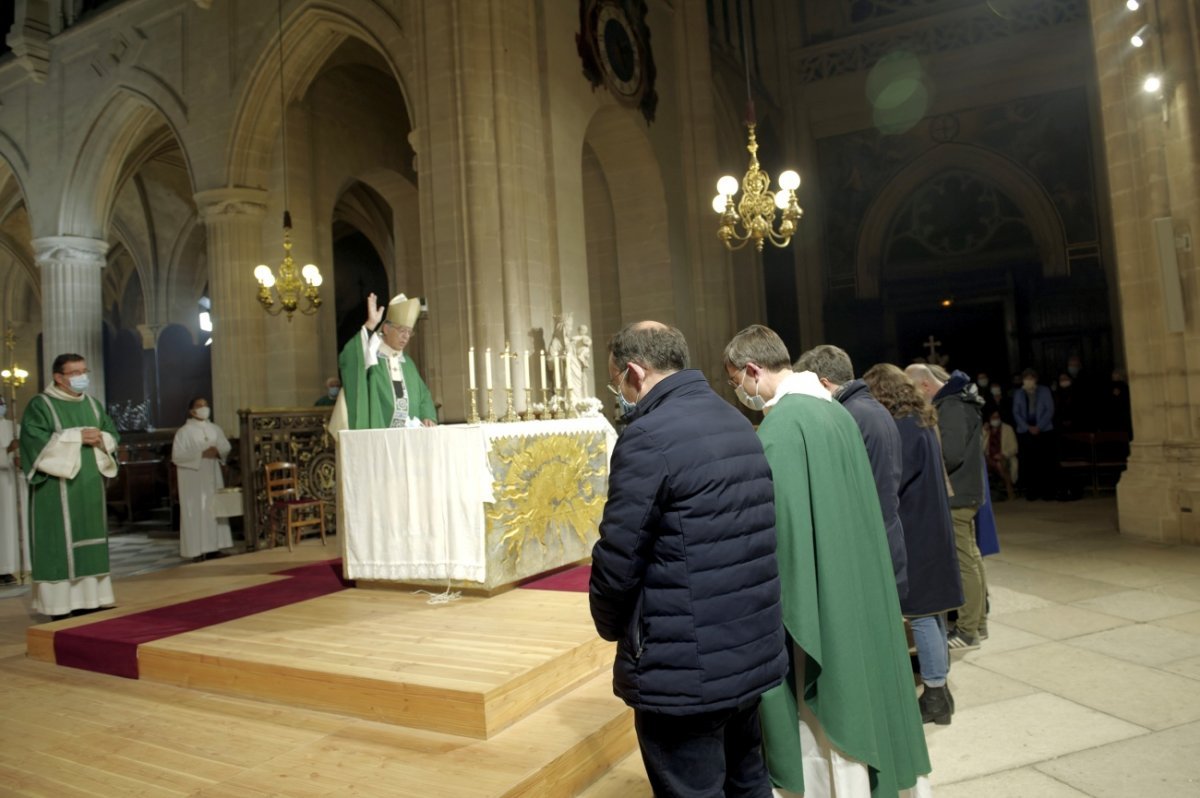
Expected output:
(509, 695)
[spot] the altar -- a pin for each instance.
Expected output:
(482, 506)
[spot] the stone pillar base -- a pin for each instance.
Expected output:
(1158, 497)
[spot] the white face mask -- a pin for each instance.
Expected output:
(202, 413)
(79, 383)
(755, 402)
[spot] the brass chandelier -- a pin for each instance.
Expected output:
(291, 289)
(752, 218)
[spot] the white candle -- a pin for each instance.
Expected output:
(507, 358)
(471, 366)
(543, 359)
(487, 363)
(528, 384)
(557, 377)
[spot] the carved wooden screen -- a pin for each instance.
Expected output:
(290, 435)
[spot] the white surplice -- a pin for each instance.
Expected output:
(14, 547)
(200, 531)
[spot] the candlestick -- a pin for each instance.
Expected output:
(508, 356)
(487, 362)
(529, 416)
(543, 358)
(474, 417)
(491, 412)
(510, 413)
(471, 367)
(557, 378)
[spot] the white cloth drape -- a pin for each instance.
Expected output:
(200, 531)
(412, 499)
(14, 541)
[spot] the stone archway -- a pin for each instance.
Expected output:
(1010, 178)
(310, 36)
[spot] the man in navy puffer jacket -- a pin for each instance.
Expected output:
(684, 575)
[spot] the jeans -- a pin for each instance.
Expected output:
(709, 755)
(929, 634)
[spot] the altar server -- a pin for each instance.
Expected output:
(199, 450)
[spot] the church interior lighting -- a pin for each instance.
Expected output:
(1132, 5)
(293, 290)
(1139, 38)
(1152, 84)
(752, 218)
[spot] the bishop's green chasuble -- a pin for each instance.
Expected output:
(839, 603)
(369, 392)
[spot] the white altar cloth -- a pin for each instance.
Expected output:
(412, 500)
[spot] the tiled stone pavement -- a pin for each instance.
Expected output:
(1089, 684)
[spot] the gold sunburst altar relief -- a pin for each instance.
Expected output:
(550, 492)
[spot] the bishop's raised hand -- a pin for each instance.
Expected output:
(374, 312)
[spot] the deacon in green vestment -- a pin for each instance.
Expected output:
(380, 384)
(846, 719)
(68, 446)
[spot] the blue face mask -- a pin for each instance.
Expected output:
(333, 392)
(627, 407)
(79, 383)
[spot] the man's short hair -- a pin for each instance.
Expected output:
(62, 360)
(920, 371)
(828, 362)
(654, 346)
(939, 373)
(759, 345)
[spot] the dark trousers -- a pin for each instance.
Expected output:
(1038, 455)
(704, 756)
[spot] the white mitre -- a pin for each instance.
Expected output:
(403, 312)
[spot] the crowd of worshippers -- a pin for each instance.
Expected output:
(1031, 427)
(761, 583)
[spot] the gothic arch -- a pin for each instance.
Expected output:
(12, 159)
(126, 121)
(310, 36)
(1013, 180)
(639, 206)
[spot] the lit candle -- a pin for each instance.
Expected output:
(487, 363)
(528, 384)
(471, 366)
(557, 377)
(543, 359)
(507, 357)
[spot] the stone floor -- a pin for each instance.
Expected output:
(1089, 684)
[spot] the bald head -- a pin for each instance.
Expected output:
(924, 378)
(652, 345)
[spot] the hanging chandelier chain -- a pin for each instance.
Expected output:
(283, 117)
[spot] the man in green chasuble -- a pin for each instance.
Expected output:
(845, 721)
(380, 385)
(68, 446)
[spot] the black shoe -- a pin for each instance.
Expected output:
(86, 611)
(937, 705)
(60, 617)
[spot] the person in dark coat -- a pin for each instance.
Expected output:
(836, 372)
(684, 576)
(960, 426)
(934, 583)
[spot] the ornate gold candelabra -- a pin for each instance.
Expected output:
(753, 217)
(491, 411)
(510, 413)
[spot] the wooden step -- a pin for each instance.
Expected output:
(472, 667)
(626, 779)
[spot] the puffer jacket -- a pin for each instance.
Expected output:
(959, 406)
(684, 575)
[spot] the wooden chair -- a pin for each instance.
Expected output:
(283, 498)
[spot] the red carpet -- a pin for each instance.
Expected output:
(111, 646)
(572, 580)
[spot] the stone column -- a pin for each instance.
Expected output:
(233, 218)
(1154, 173)
(72, 303)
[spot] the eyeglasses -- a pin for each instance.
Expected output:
(615, 388)
(76, 373)
(736, 385)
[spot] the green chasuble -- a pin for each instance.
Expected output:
(68, 517)
(369, 395)
(839, 602)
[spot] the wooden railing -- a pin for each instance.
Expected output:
(294, 435)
